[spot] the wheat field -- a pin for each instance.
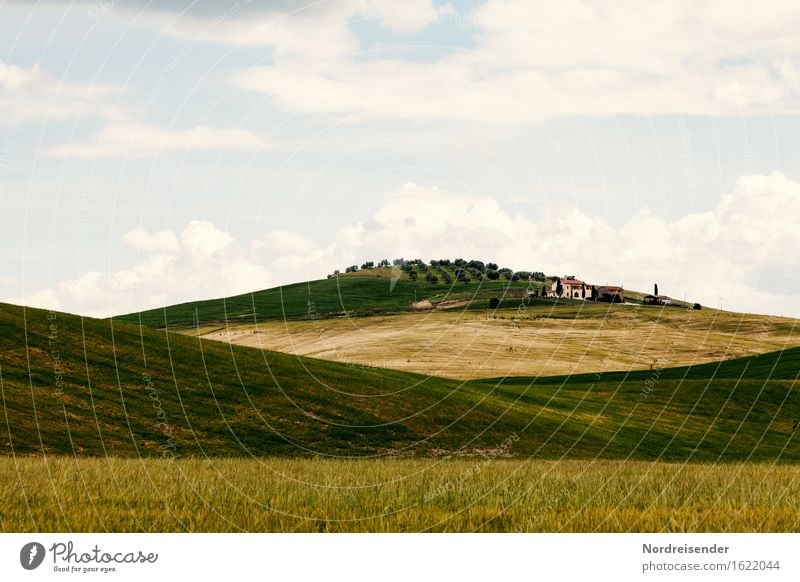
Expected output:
(399, 495)
(544, 339)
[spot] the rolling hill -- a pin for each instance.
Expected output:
(380, 317)
(79, 386)
(369, 292)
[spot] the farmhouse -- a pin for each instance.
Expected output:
(657, 300)
(610, 294)
(570, 287)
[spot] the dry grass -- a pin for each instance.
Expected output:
(540, 340)
(284, 495)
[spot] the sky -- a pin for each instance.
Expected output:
(156, 153)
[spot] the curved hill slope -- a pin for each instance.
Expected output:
(71, 385)
(369, 292)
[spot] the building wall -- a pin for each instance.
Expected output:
(603, 294)
(570, 291)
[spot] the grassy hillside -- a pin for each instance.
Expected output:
(356, 294)
(90, 387)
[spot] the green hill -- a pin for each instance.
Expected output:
(72, 385)
(373, 291)
(369, 292)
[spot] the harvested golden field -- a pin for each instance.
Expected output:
(544, 339)
(398, 495)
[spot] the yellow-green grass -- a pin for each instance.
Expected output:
(63, 494)
(538, 338)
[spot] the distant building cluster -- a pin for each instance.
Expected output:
(573, 288)
(446, 272)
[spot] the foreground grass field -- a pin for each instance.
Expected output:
(400, 495)
(540, 338)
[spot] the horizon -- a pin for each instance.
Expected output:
(342, 273)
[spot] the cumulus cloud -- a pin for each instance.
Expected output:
(163, 241)
(563, 58)
(201, 261)
(742, 253)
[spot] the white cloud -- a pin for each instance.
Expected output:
(404, 17)
(563, 58)
(165, 241)
(30, 94)
(744, 251)
(140, 140)
(12, 77)
(199, 262)
(318, 30)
